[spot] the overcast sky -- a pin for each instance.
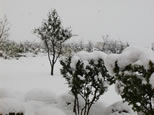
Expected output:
(126, 20)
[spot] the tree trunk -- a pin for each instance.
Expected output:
(51, 64)
(48, 51)
(52, 69)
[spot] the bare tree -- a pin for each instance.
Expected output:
(4, 28)
(109, 45)
(89, 46)
(53, 34)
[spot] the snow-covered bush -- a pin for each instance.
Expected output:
(12, 49)
(119, 108)
(66, 102)
(107, 45)
(87, 77)
(134, 72)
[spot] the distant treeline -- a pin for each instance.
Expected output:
(12, 49)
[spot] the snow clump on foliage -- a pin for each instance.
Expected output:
(85, 57)
(119, 108)
(131, 55)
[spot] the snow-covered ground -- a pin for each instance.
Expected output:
(30, 72)
(26, 84)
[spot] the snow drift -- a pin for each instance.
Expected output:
(120, 108)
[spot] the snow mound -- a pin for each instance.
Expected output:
(49, 111)
(32, 106)
(97, 109)
(95, 55)
(9, 93)
(66, 101)
(11, 105)
(119, 108)
(40, 95)
(110, 62)
(87, 56)
(130, 55)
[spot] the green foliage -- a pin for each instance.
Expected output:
(88, 81)
(135, 86)
(52, 30)
(53, 35)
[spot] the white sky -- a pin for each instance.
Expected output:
(127, 20)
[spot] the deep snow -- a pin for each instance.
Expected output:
(27, 81)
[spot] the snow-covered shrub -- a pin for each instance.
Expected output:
(66, 103)
(119, 108)
(107, 45)
(135, 86)
(12, 49)
(41, 95)
(133, 70)
(31, 47)
(87, 77)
